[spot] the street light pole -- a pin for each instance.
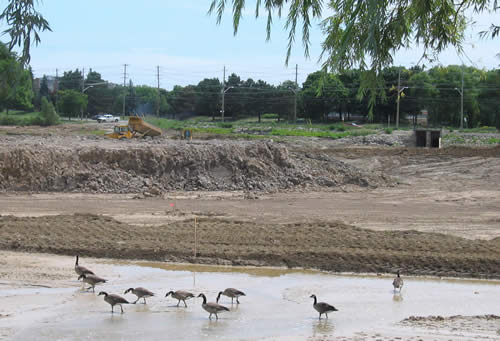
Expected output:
(400, 90)
(224, 90)
(462, 102)
(295, 93)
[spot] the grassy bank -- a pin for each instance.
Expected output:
(246, 128)
(20, 118)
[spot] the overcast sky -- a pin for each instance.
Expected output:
(188, 46)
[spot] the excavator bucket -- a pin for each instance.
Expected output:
(137, 124)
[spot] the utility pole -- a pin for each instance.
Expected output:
(397, 110)
(124, 86)
(462, 101)
(83, 89)
(223, 92)
(56, 88)
(461, 92)
(296, 90)
(158, 98)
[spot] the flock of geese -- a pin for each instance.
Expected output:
(213, 308)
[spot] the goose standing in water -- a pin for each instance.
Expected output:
(92, 280)
(81, 270)
(398, 282)
(231, 292)
(180, 295)
(322, 307)
(140, 293)
(211, 307)
(113, 300)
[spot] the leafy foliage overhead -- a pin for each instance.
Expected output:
(366, 33)
(24, 23)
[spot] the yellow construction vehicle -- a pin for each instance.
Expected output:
(136, 127)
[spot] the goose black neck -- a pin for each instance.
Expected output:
(204, 298)
(315, 300)
(76, 263)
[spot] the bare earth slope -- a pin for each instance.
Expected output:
(125, 168)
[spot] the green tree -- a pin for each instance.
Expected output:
(24, 24)
(48, 114)
(44, 87)
(448, 81)
(9, 73)
(489, 99)
(100, 98)
(71, 80)
(72, 103)
(182, 101)
(354, 104)
(209, 97)
(366, 33)
(322, 94)
(422, 94)
(16, 88)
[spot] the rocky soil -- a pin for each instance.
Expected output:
(50, 165)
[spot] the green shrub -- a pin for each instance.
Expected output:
(48, 116)
(337, 127)
(8, 120)
(388, 130)
(270, 116)
(225, 125)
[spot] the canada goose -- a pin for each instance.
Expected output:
(140, 293)
(398, 282)
(211, 307)
(180, 295)
(81, 270)
(322, 307)
(92, 280)
(231, 292)
(113, 300)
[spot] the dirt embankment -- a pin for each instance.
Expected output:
(264, 166)
(326, 246)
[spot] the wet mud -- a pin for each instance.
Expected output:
(276, 306)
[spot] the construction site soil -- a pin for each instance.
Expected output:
(298, 202)
(326, 246)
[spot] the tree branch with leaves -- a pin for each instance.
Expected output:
(24, 24)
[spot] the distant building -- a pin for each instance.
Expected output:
(52, 84)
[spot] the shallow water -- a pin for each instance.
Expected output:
(277, 304)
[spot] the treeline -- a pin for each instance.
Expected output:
(323, 96)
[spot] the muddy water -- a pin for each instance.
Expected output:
(277, 305)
